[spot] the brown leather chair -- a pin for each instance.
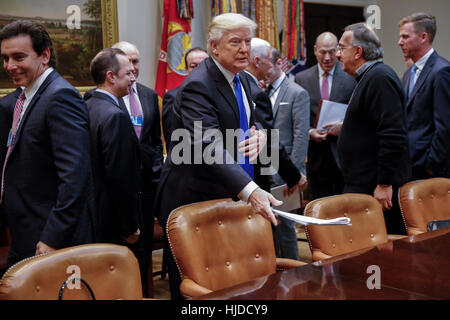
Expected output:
(423, 201)
(367, 225)
(110, 271)
(220, 243)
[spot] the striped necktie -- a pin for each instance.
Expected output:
(12, 134)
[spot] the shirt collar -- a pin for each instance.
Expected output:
(252, 76)
(31, 91)
(422, 61)
(108, 94)
(321, 71)
(227, 74)
(277, 83)
(364, 67)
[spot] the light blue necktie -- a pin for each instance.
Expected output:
(411, 80)
(244, 162)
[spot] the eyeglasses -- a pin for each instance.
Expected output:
(340, 47)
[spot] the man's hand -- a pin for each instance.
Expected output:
(253, 145)
(318, 135)
(43, 248)
(133, 238)
(334, 128)
(383, 193)
(289, 191)
(260, 201)
(302, 183)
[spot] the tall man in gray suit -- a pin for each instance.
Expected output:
(290, 107)
(327, 81)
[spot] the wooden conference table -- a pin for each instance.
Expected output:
(416, 267)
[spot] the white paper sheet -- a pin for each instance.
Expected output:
(331, 112)
(310, 220)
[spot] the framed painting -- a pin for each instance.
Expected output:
(78, 28)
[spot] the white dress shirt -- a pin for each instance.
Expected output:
(421, 63)
(126, 100)
(31, 91)
(245, 193)
(330, 78)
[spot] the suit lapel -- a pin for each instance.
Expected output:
(281, 94)
(52, 76)
(422, 77)
(144, 99)
(224, 87)
(336, 84)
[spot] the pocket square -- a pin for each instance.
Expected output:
(283, 103)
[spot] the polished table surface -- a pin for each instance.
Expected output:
(415, 267)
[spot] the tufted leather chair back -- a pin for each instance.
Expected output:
(111, 271)
(423, 201)
(368, 227)
(220, 243)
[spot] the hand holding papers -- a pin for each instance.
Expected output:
(310, 220)
(330, 112)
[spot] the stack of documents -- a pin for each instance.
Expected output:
(310, 220)
(330, 112)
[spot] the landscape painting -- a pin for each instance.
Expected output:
(75, 27)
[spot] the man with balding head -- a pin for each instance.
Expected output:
(324, 81)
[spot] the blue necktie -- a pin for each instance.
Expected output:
(411, 80)
(244, 162)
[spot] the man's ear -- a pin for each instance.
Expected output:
(110, 77)
(358, 53)
(45, 55)
(213, 45)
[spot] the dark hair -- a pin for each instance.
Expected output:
(106, 60)
(367, 39)
(423, 22)
(189, 52)
(275, 55)
(39, 36)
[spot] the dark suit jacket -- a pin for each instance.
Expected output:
(263, 112)
(204, 96)
(428, 118)
(48, 173)
(115, 169)
(320, 154)
(373, 144)
(167, 110)
(7, 104)
(150, 151)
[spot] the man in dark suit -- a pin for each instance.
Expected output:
(192, 60)
(148, 134)
(427, 87)
(327, 81)
(115, 162)
(46, 178)
(212, 98)
(373, 143)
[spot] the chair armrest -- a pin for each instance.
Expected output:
(392, 237)
(319, 255)
(191, 289)
(283, 264)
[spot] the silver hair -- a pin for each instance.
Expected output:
(227, 22)
(367, 39)
(259, 48)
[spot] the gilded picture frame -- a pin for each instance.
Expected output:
(109, 33)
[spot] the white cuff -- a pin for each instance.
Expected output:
(247, 191)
